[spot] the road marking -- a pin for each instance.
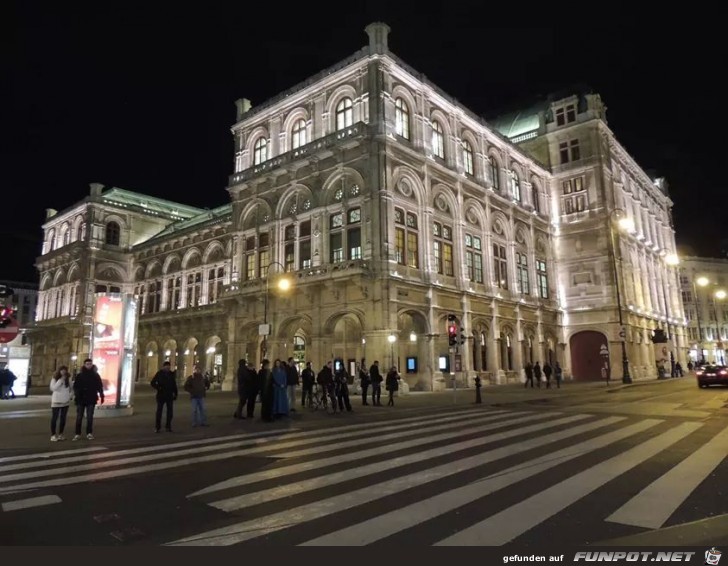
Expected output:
(248, 479)
(97, 476)
(653, 506)
(290, 489)
(51, 454)
(31, 502)
(246, 530)
(398, 520)
(512, 522)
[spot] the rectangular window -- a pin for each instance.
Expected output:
(290, 257)
(447, 259)
(399, 245)
(570, 114)
(522, 281)
(263, 262)
(580, 203)
(560, 117)
(578, 184)
(336, 244)
(500, 266)
(437, 251)
(575, 152)
(568, 206)
(305, 254)
(413, 254)
(249, 266)
(473, 258)
(353, 240)
(567, 187)
(542, 279)
(564, 152)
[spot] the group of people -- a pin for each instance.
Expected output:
(534, 372)
(276, 387)
(85, 390)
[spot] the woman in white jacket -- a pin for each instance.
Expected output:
(62, 389)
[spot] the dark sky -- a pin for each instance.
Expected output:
(142, 98)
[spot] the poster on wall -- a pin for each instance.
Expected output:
(114, 336)
(19, 367)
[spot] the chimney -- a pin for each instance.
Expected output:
(96, 189)
(377, 32)
(243, 105)
(50, 213)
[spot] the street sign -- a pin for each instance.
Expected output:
(264, 330)
(8, 333)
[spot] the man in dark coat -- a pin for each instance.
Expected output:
(87, 389)
(292, 381)
(241, 376)
(528, 369)
(250, 389)
(547, 371)
(376, 380)
(341, 379)
(325, 379)
(307, 379)
(265, 386)
(537, 374)
(364, 380)
(165, 382)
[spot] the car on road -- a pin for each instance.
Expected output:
(712, 375)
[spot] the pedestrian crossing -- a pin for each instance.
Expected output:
(476, 476)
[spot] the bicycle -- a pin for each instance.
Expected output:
(318, 401)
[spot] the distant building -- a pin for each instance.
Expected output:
(392, 206)
(704, 287)
(17, 352)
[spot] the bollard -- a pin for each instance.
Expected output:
(478, 399)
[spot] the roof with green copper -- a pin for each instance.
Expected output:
(154, 205)
(520, 122)
(219, 214)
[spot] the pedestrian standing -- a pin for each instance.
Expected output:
(325, 379)
(376, 380)
(537, 374)
(197, 385)
(292, 381)
(265, 387)
(62, 392)
(528, 370)
(364, 381)
(240, 382)
(165, 382)
(547, 371)
(307, 379)
(341, 378)
(280, 395)
(392, 384)
(558, 374)
(87, 390)
(7, 378)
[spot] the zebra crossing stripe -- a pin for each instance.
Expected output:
(290, 489)
(264, 445)
(398, 520)
(248, 479)
(246, 530)
(510, 523)
(653, 506)
(31, 502)
(50, 455)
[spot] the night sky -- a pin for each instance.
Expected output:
(142, 98)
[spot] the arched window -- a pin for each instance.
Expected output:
(51, 241)
(468, 158)
(344, 113)
(113, 233)
(515, 187)
(534, 198)
(401, 118)
(81, 232)
(438, 140)
(260, 151)
(494, 174)
(298, 135)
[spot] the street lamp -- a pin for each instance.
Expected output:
(392, 339)
(701, 282)
(626, 225)
(671, 260)
(284, 284)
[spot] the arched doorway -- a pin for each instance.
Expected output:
(214, 358)
(151, 354)
(169, 350)
(190, 356)
(587, 361)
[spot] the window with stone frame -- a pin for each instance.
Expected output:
(215, 281)
(494, 173)
(113, 233)
(154, 297)
(298, 134)
(401, 118)
(304, 244)
(344, 113)
(474, 257)
(260, 151)
(345, 235)
(174, 293)
(535, 199)
(442, 248)
(542, 279)
(569, 151)
(468, 163)
(289, 247)
(249, 258)
(406, 234)
(194, 289)
(500, 266)
(565, 115)
(573, 195)
(438, 140)
(515, 187)
(263, 254)
(523, 284)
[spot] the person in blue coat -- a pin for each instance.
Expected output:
(280, 393)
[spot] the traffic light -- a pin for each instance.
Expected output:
(452, 330)
(7, 315)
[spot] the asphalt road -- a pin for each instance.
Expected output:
(584, 464)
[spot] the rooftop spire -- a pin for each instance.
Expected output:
(377, 32)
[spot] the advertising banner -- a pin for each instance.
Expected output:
(114, 336)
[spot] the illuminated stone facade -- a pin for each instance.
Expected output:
(391, 206)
